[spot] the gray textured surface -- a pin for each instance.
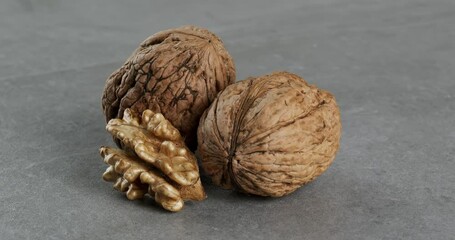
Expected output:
(390, 63)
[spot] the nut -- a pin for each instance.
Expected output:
(155, 160)
(269, 135)
(177, 72)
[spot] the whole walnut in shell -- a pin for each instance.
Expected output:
(176, 72)
(269, 135)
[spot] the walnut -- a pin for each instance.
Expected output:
(155, 160)
(269, 135)
(177, 72)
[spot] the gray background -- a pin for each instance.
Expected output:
(390, 63)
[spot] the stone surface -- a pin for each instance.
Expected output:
(389, 63)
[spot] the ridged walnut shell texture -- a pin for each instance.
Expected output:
(177, 72)
(269, 135)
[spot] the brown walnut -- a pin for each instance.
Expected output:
(269, 135)
(176, 72)
(154, 160)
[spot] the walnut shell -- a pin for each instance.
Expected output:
(269, 135)
(177, 72)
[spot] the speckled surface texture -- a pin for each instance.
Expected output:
(390, 64)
